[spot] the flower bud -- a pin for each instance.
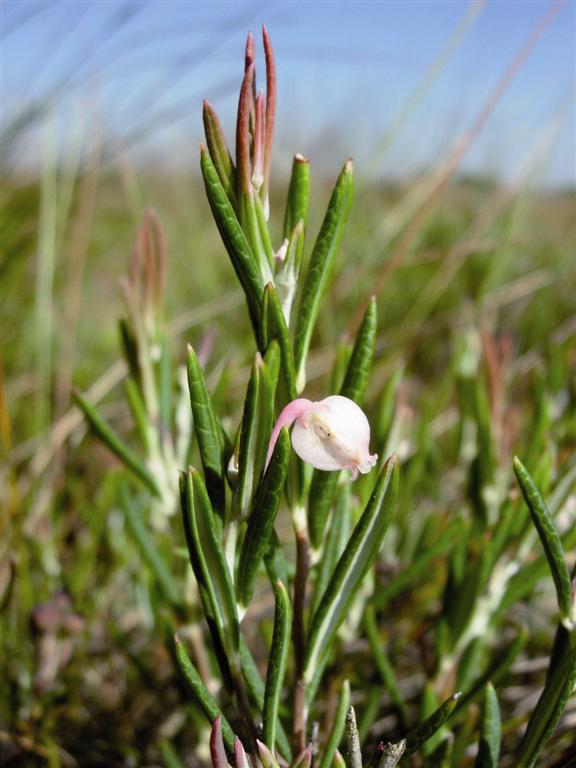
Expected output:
(332, 434)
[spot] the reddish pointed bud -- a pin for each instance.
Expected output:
(304, 759)
(270, 114)
(243, 133)
(258, 146)
(249, 51)
(249, 59)
(240, 757)
(155, 250)
(266, 756)
(217, 751)
(144, 288)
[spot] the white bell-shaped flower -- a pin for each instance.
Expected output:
(332, 434)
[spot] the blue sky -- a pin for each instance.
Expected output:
(346, 70)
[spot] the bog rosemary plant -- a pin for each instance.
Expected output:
(338, 484)
(231, 506)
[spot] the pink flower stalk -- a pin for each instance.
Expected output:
(332, 434)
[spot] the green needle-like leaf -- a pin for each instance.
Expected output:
(277, 660)
(408, 576)
(116, 445)
(256, 230)
(261, 522)
(357, 558)
(431, 725)
(319, 268)
(298, 195)
(149, 550)
(275, 561)
(256, 690)
(241, 255)
(360, 363)
(257, 423)
(550, 540)
(493, 674)
(212, 441)
(548, 711)
(138, 410)
(336, 538)
(208, 560)
(219, 152)
(207, 702)
(273, 326)
(383, 665)
(491, 731)
(337, 730)
(323, 486)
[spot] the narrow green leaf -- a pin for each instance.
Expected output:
(277, 661)
(261, 522)
(207, 702)
(273, 327)
(130, 349)
(323, 485)
(241, 255)
(491, 731)
(257, 423)
(550, 540)
(256, 690)
(298, 195)
(264, 231)
(149, 550)
(256, 230)
(416, 738)
(360, 364)
(320, 266)
(420, 565)
(336, 539)
(219, 152)
(212, 441)
(337, 730)
(493, 674)
(115, 444)
(441, 757)
(138, 410)
(383, 665)
(169, 754)
(460, 598)
(523, 582)
(353, 565)
(388, 407)
(370, 712)
(208, 560)
(548, 711)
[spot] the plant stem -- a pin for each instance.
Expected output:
(352, 739)
(299, 628)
